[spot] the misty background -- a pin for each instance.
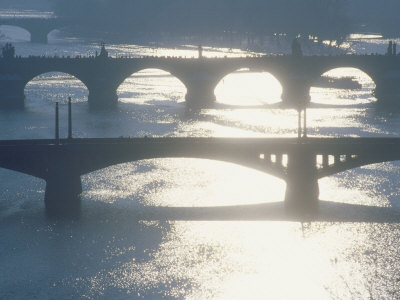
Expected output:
(331, 20)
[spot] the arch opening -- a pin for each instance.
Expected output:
(247, 88)
(20, 192)
(343, 86)
(55, 36)
(152, 86)
(12, 33)
(375, 184)
(183, 182)
(52, 87)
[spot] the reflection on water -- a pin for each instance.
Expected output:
(58, 86)
(363, 95)
(127, 247)
(248, 88)
(152, 86)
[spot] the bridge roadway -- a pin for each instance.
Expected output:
(300, 162)
(103, 75)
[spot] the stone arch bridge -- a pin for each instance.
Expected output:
(39, 28)
(103, 75)
(300, 162)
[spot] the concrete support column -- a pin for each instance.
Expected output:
(11, 91)
(63, 189)
(302, 190)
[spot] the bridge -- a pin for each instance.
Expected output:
(39, 28)
(300, 162)
(102, 75)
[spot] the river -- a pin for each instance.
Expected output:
(119, 250)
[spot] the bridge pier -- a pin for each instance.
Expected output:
(387, 90)
(302, 190)
(12, 91)
(200, 91)
(39, 36)
(63, 189)
(296, 92)
(101, 95)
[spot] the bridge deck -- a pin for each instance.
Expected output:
(291, 159)
(211, 140)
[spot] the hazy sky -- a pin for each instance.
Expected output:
(330, 19)
(44, 5)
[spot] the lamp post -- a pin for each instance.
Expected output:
(57, 126)
(299, 123)
(69, 119)
(305, 122)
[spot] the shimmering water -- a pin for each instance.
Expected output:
(123, 249)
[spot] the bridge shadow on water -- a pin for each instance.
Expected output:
(281, 105)
(328, 211)
(110, 245)
(51, 258)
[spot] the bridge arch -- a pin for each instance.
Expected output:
(246, 87)
(20, 172)
(190, 175)
(22, 191)
(272, 170)
(56, 87)
(39, 28)
(356, 162)
(152, 85)
(15, 33)
(347, 85)
(54, 34)
(362, 180)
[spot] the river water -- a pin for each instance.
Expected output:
(122, 248)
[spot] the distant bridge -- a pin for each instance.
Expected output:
(103, 75)
(39, 28)
(300, 162)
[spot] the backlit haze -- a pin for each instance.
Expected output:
(180, 228)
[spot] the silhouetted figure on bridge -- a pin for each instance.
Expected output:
(8, 51)
(392, 49)
(200, 48)
(296, 48)
(389, 49)
(103, 52)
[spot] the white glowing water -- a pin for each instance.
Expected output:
(111, 254)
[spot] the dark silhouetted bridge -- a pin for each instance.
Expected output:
(300, 162)
(103, 75)
(39, 28)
